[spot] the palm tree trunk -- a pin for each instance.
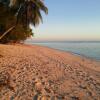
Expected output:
(11, 28)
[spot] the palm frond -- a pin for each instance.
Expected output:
(40, 5)
(33, 15)
(36, 18)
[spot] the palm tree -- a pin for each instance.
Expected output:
(27, 11)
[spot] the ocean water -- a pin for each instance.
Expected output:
(87, 49)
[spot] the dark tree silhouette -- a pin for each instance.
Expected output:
(16, 15)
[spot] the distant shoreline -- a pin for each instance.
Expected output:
(46, 41)
(79, 54)
(73, 53)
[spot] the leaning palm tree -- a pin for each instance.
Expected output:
(26, 12)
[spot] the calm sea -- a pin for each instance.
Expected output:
(88, 49)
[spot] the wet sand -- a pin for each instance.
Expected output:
(40, 73)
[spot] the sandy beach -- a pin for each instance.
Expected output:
(39, 73)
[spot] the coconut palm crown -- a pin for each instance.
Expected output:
(28, 11)
(17, 15)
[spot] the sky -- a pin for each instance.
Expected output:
(70, 20)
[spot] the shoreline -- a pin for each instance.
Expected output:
(32, 71)
(77, 54)
(72, 53)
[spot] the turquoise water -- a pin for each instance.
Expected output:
(88, 49)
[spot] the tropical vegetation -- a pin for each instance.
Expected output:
(16, 17)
